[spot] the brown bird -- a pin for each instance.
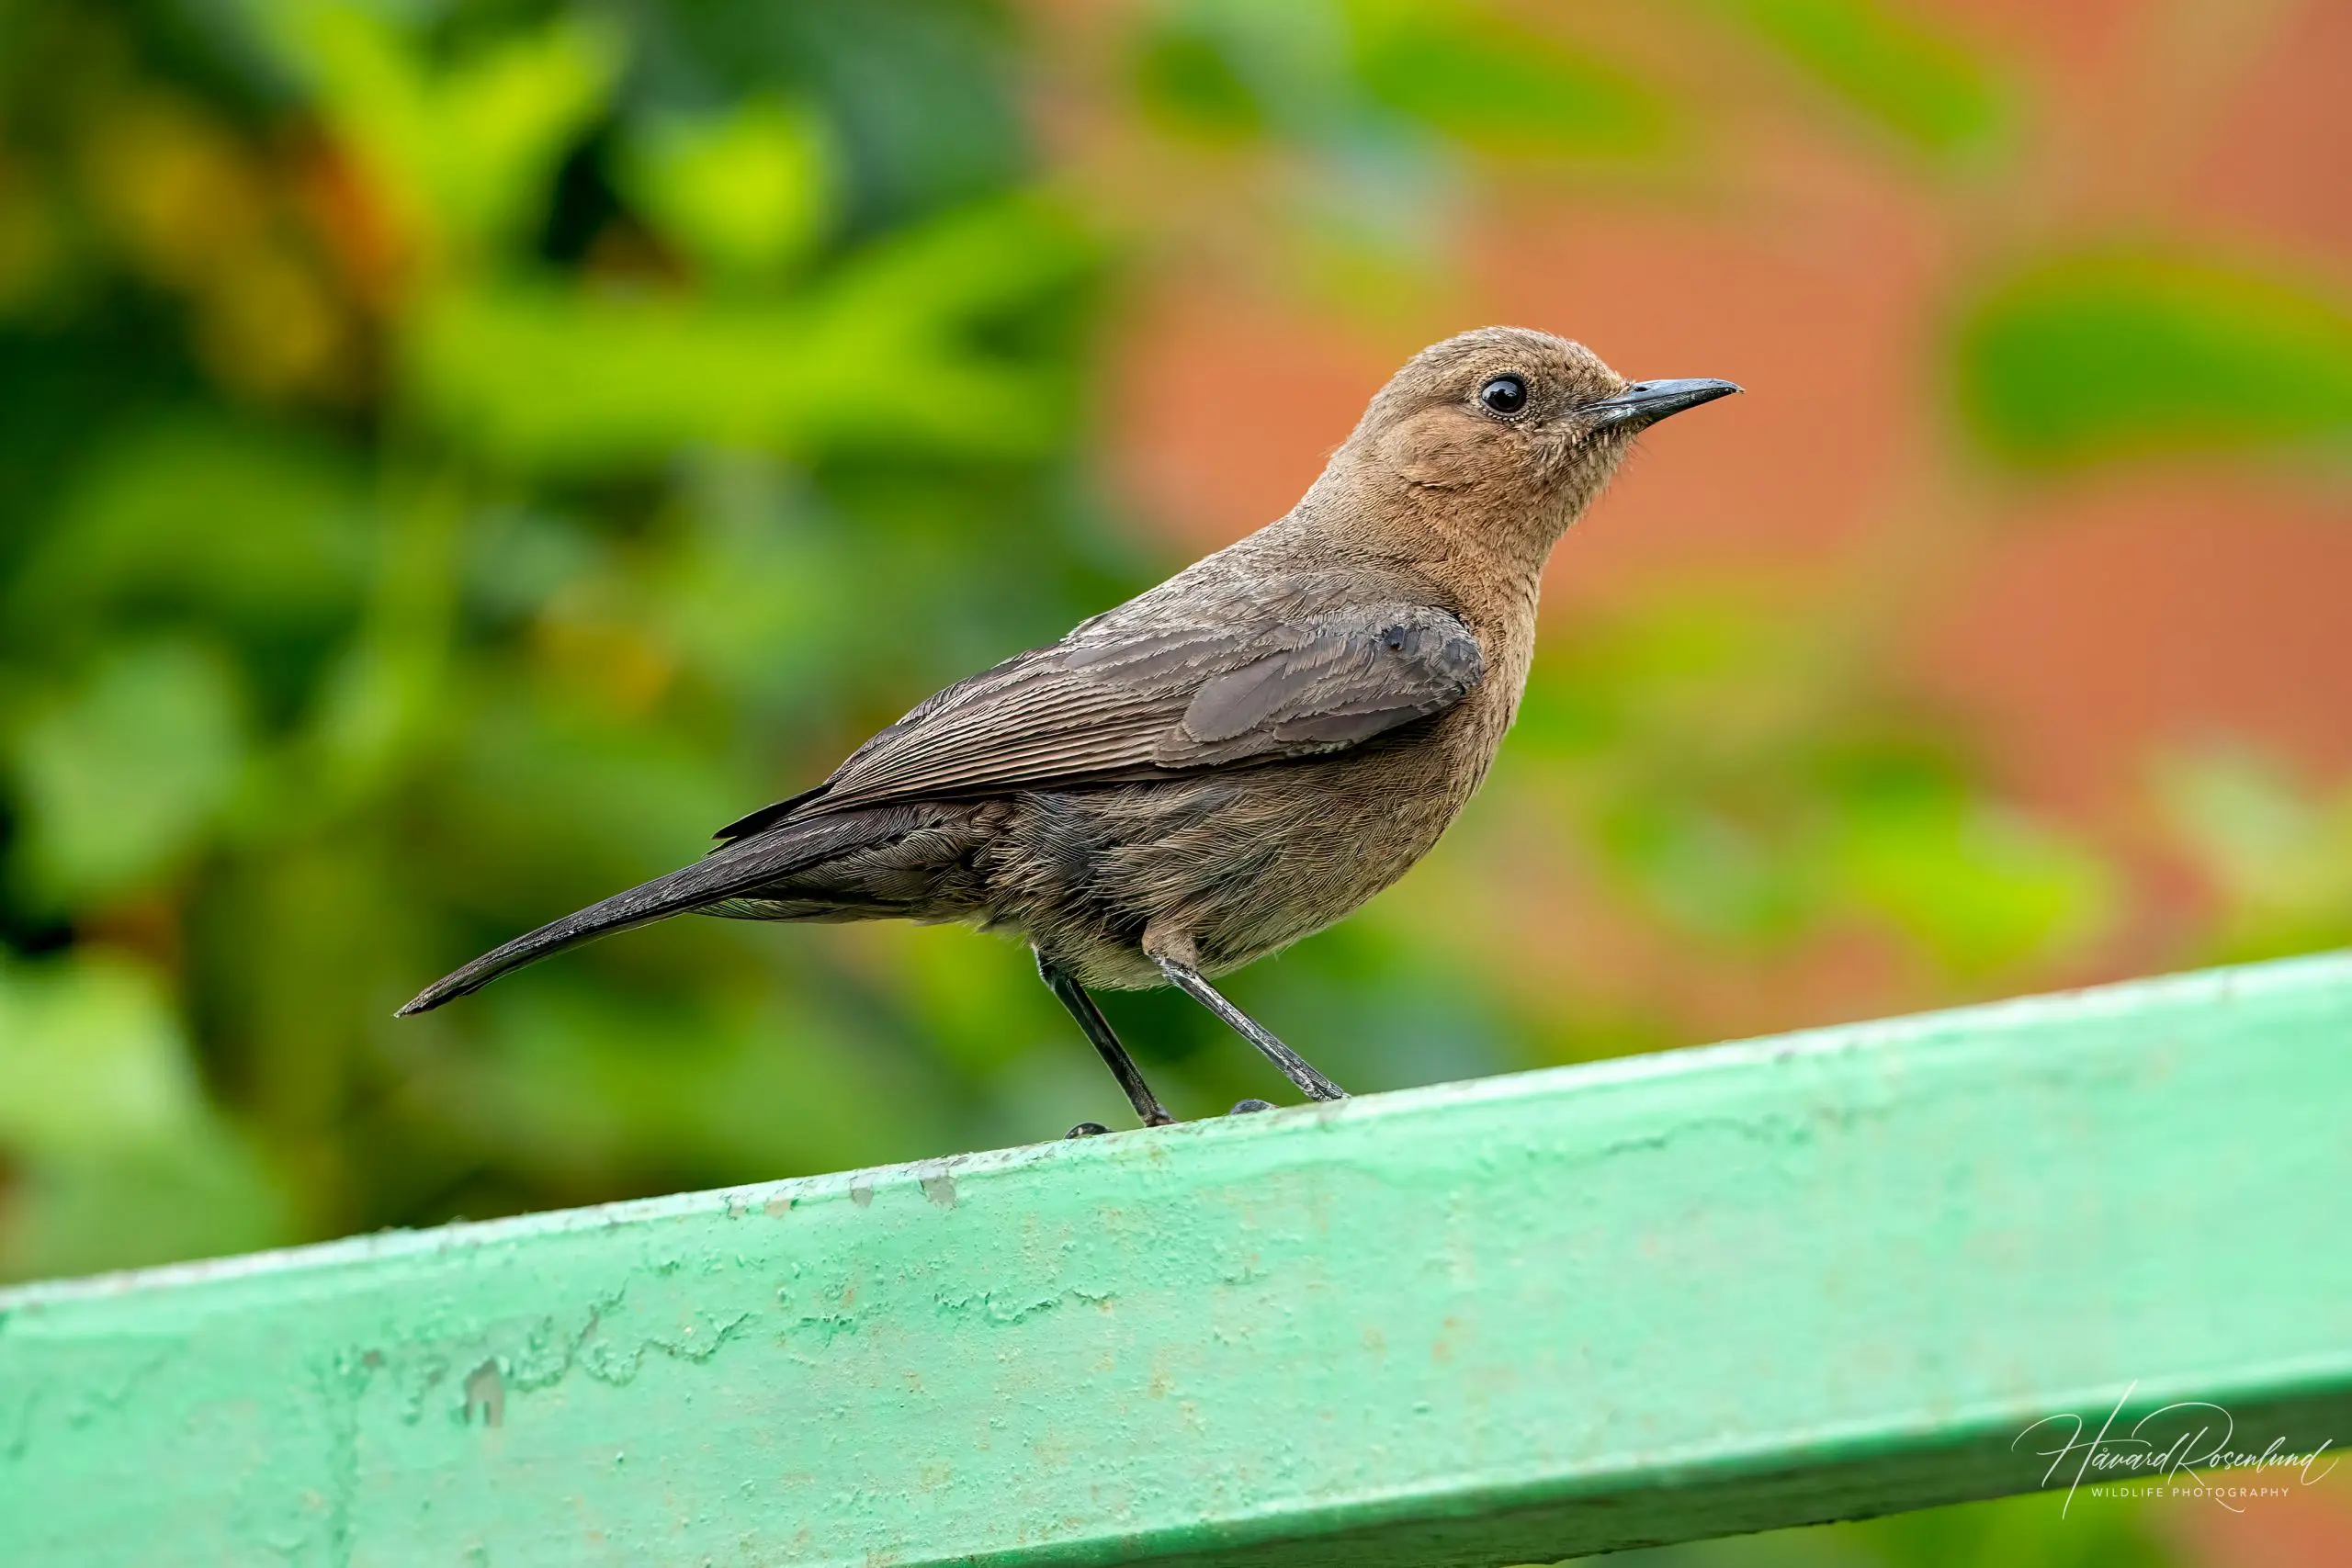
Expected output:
(1228, 762)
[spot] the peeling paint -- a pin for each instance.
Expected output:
(486, 1392)
(987, 1304)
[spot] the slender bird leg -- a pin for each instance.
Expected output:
(1295, 1067)
(1073, 996)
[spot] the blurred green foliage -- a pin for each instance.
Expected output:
(455, 454)
(1728, 783)
(458, 456)
(1929, 90)
(2278, 848)
(2014, 1532)
(1370, 71)
(1376, 111)
(2123, 354)
(1502, 89)
(118, 1150)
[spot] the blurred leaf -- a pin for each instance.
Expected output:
(1980, 887)
(193, 512)
(1223, 69)
(383, 691)
(750, 599)
(2010, 1532)
(974, 999)
(2118, 354)
(1926, 87)
(1704, 868)
(202, 1196)
(1697, 662)
(1348, 77)
(32, 242)
(120, 777)
(556, 802)
(90, 1058)
(191, 207)
(1729, 799)
(579, 1081)
(1186, 77)
(1504, 89)
(925, 93)
(173, 187)
(2279, 853)
(746, 193)
(891, 352)
(119, 1159)
(2019, 1532)
(468, 147)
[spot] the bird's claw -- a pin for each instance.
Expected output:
(1086, 1130)
(1249, 1107)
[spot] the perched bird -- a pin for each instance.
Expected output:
(1228, 762)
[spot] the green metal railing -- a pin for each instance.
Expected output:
(1826, 1275)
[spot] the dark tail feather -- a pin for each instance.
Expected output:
(723, 873)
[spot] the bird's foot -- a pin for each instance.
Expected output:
(1086, 1130)
(1246, 1107)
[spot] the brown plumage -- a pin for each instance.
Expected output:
(1234, 759)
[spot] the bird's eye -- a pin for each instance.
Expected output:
(1504, 395)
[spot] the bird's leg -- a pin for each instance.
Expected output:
(1063, 983)
(1295, 1067)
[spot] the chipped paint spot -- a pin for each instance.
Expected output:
(862, 1195)
(996, 1310)
(776, 1208)
(940, 1190)
(486, 1389)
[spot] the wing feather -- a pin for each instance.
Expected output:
(1123, 700)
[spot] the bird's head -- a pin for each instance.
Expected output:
(1520, 428)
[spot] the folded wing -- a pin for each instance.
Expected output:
(1129, 700)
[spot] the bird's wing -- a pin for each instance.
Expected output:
(1146, 698)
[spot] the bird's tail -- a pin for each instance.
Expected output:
(726, 873)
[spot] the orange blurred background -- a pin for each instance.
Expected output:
(2082, 626)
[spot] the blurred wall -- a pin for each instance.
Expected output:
(1977, 265)
(2093, 618)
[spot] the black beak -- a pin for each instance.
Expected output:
(1647, 403)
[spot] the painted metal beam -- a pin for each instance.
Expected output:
(1708, 1291)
